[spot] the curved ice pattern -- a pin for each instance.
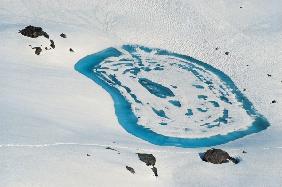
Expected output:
(145, 84)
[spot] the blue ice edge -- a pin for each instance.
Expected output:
(128, 120)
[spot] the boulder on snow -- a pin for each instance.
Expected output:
(52, 44)
(33, 32)
(63, 35)
(155, 171)
(218, 156)
(37, 50)
(149, 159)
(130, 169)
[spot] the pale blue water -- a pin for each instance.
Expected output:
(128, 120)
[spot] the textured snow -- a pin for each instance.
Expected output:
(51, 116)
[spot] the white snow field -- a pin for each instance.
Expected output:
(51, 116)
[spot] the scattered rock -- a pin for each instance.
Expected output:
(244, 89)
(217, 48)
(247, 64)
(244, 152)
(88, 154)
(241, 7)
(149, 159)
(227, 53)
(37, 50)
(33, 32)
(268, 75)
(63, 35)
(71, 50)
(109, 148)
(155, 171)
(274, 101)
(130, 169)
(52, 44)
(218, 156)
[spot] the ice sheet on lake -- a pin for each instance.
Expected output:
(175, 95)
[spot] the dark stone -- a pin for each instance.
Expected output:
(218, 156)
(37, 50)
(227, 53)
(130, 169)
(268, 75)
(244, 89)
(71, 50)
(216, 48)
(109, 148)
(33, 32)
(88, 154)
(52, 44)
(155, 171)
(274, 101)
(244, 152)
(149, 159)
(241, 7)
(63, 35)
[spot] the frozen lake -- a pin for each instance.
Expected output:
(171, 99)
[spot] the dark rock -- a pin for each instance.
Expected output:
(88, 154)
(218, 156)
(216, 48)
(149, 159)
(33, 32)
(52, 44)
(155, 171)
(241, 7)
(130, 169)
(227, 53)
(274, 101)
(268, 75)
(109, 148)
(244, 89)
(63, 35)
(244, 152)
(37, 50)
(71, 50)
(234, 160)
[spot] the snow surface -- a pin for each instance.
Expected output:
(52, 116)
